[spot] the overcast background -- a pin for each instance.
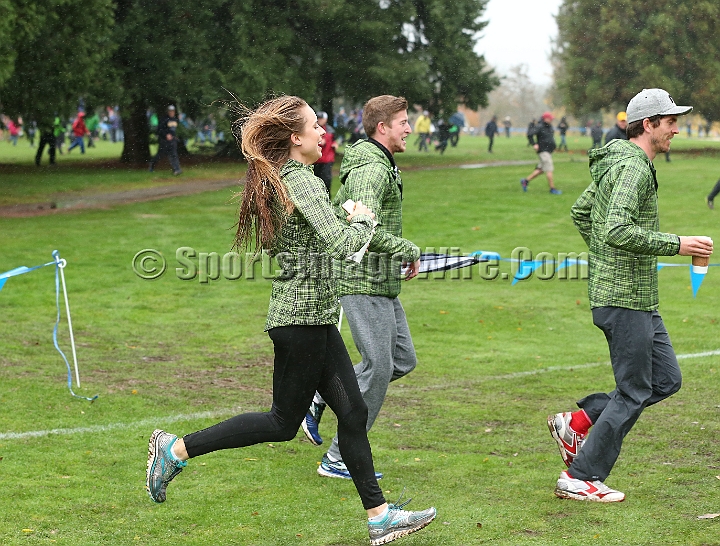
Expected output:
(520, 32)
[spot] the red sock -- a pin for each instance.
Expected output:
(580, 422)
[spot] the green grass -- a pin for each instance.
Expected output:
(465, 432)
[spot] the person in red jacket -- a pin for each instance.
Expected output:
(79, 130)
(323, 166)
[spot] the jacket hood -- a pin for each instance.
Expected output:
(601, 159)
(361, 153)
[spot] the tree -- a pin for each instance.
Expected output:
(607, 52)
(141, 54)
(55, 48)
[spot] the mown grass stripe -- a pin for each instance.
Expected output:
(233, 411)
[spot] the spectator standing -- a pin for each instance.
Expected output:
(545, 146)
(422, 128)
(491, 129)
(59, 133)
(596, 133)
(688, 127)
(443, 133)
(617, 216)
(114, 122)
(92, 123)
(30, 132)
(47, 138)
(323, 166)
(562, 129)
(507, 123)
(530, 132)
(79, 130)
(13, 130)
(456, 122)
(618, 130)
(168, 142)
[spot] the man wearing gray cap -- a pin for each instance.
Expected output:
(617, 215)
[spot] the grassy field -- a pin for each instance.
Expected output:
(465, 432)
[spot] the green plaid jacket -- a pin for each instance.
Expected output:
(617, 215)
(367, 175)
(305, 293)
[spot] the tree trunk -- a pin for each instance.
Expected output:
(136, 149)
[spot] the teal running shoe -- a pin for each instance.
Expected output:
(399, 523)
(162, 466)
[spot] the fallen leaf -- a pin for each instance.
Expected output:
(134, 391)
(479, 525)
(255, 514)
(417, 459)
(709, 516)
(476, 228)
(28, 531)
(446, 523)
(488, 430)
(253, 459)
(443, 312)
(397, 425)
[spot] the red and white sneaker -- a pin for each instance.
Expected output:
(569, 442)
(570, 488)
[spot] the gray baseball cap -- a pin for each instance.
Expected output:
(653, 102)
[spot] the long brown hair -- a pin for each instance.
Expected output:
(264, 135)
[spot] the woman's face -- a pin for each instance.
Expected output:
(306, 147)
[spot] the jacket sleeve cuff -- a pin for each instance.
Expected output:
(363, 219)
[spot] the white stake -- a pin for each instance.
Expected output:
(340, 321)
(61, 264)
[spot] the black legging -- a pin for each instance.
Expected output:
(307, 358)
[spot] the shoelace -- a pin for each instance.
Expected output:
(397, 505)
(602, 488)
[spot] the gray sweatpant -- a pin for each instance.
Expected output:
(646, 372)
(380, 331)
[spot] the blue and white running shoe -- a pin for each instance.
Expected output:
(312, 421)
(399, 523)
(337, 469)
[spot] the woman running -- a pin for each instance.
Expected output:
(286, 209)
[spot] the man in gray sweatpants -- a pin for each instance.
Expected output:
(617, 216)
(369, 290)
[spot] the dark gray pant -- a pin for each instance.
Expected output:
(715, 191)
(382, 337)
(646, 372)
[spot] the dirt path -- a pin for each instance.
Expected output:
(72, 203)
(105, 200)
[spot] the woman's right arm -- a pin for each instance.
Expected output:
(338, 238)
